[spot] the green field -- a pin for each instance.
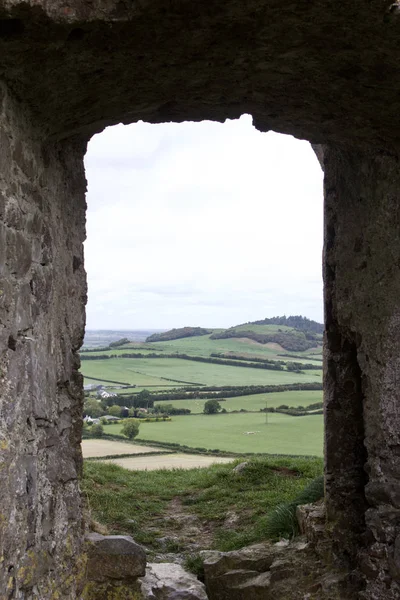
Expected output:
(286, 434)
(204, 346)
(158, 371)
(254, 402)
(282, 434)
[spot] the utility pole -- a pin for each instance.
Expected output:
(266, 412)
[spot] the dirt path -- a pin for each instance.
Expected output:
(183, 534)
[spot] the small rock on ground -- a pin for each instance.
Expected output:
(169, 581)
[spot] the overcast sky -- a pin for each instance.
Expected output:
(204, 224)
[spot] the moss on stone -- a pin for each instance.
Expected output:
(108, 591)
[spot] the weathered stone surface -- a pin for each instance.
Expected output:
(319, 70)
(258, 557)
(282, 571)
(362, 291)
(168, 581)
(111, 591)
(313, 525)
(41, 327)
(312, 520)
(238, 470)
(114, 557)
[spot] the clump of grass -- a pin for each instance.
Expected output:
(227, 540)
(282, 522)
(194, 563)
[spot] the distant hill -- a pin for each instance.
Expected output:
(295, 334)
(176, 334)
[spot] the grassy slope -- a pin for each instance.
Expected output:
(253, 402)
(263, 328)
(144, 504)
(282, 435)
(204, 346)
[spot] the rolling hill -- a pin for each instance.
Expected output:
(293, 333)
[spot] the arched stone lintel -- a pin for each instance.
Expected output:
(322, 71)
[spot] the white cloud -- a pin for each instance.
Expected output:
(201, 223)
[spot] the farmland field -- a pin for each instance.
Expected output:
(253, 402)
(170, 375)
(161, 371)
(241, 432)
(204, 346)
(167, 461)
(98, 447)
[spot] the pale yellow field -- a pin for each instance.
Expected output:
(167, 461)
(96, 448)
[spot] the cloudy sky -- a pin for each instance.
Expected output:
(204, 224)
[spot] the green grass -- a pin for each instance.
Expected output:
(282, 435)
(253, 402)
(128, 370)
(160, 371)
(282, 521)
(139, 503)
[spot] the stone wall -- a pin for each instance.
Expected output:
(324, 71)
(42, 298)
(362, 417)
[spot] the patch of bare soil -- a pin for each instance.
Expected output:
(183, 533)
(285, 471)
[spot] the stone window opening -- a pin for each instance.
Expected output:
(321, 71)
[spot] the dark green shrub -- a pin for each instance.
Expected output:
(96, 430)
(130, 429)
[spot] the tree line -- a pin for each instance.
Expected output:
(233, 391)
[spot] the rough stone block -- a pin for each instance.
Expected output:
(311, 520)
(258, 557)
(168, 581)
(114, 557)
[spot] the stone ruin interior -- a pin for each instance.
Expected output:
(322, 71)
